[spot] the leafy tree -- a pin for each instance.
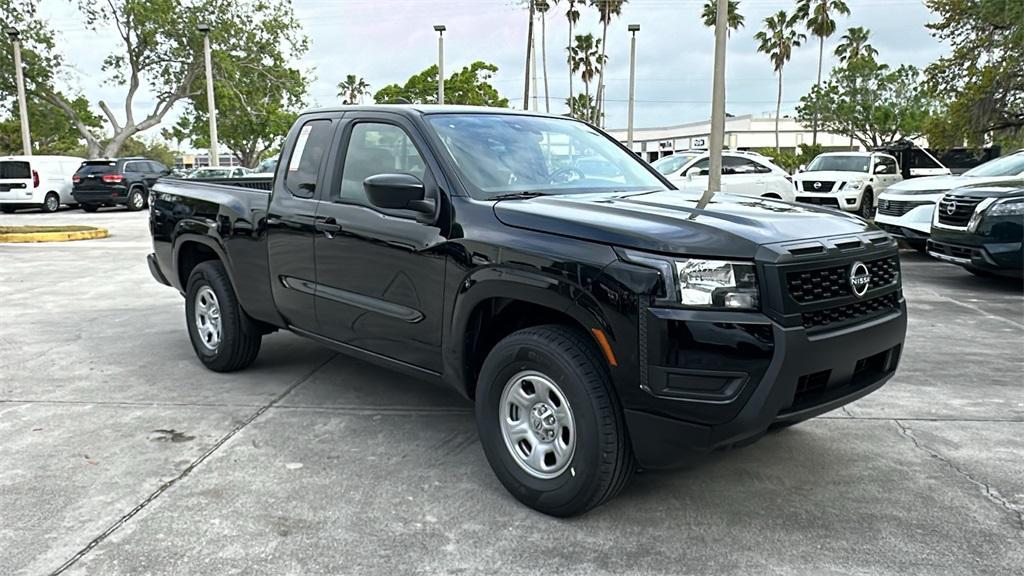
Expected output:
(733, 17)
(777, 40)
(817, 15)
(982, 77)
(607, 11)
(468, 86)
(870, 102)
(854, 44)
(149, 148)
(572, 14)
(52, 132)
(790, 161)
(159, 49)
(582, 106)
(585, 57)
(352, 89)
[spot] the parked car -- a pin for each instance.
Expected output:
(42, 182)
(743, 173)
(847, 180)
(116, 182)
(906, 210)
(264, 169)
(915, 161)
(213, 172)
(981, 228)
(596, 322)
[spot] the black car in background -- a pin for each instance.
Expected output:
(117, 181)
(981, 229)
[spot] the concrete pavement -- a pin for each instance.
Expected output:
(122, 455)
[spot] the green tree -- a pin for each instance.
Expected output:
(981, 79)
(817, 15)
(468, 86)
(582, 106)
(607, 11)
(854, 44)
(870, 102)
(158, 49)
(52, 132)
(572, 14)
(150, 148)
(585, 58)
(710, 14)
(778, 39)
(352, 89)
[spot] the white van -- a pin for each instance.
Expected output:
(42, 182)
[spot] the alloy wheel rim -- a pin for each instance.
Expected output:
(207, 318)
(137, 200)
(537, 424)
(52, 204)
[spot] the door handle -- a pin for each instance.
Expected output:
(329, 226)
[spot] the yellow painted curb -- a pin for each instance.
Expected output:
(54, 236)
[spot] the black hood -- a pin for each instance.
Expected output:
(669, 221)
(1007, 189)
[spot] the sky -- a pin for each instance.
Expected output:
(387, 41)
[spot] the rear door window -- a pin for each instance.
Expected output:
(304, 165)
(15, 170)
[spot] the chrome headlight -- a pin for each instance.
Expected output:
(853, 185)
(717, 284)
(1007, 207)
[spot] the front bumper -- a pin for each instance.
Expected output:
(916, 223)
(843, 199)
(791, 375)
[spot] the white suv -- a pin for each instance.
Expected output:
(42, 182)
(847, 180)
(905, 210)
(743, 173)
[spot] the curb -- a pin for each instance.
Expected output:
(25, 237)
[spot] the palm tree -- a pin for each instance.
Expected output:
(817, 16)
(608, 9)
(352, 89)
(777, 39)
(734, 18)
(542, 7)
(854, 45)
(572, 14)
(587, 59)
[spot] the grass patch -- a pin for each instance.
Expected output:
(43, 229)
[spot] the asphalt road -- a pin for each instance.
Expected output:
(120, 454)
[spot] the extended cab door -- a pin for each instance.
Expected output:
(380, 273)
(290, 221)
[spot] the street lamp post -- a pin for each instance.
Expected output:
(210, 100)
(633, 29)
(440, 62)
(26, 139)
(717, 107)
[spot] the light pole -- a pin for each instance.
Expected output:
(633, 29)
(26, 139)
(717, 107)
(440, 62)
(210, 101)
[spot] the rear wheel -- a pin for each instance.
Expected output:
(550, 422)
(867, 205)
(136, 200)
(7, 209)
(90, 207)
(51, 203)
(223, 336)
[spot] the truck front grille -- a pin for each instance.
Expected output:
(818, 186)
(857, 311)
(898, 207)
(957, 210)
(816, 285)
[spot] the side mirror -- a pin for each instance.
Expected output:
(397, 192)
(881, 169)
(801, 168)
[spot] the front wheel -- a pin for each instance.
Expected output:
(550, 423)
(223, 336)
(867, 205)
(7, 209)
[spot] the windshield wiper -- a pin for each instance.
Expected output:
(519, 195)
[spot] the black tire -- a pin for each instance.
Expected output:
(51, 203)
(136, 200)
(867, 205)
(602, 462)
(240, 336)
(980, 273)
(90, 207)
(7, 209)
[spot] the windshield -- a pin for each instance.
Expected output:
(672, 164)
(1011, 165)
(502, 154)
(840, 163)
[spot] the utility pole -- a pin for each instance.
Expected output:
(717, 107)
(633, 29)
(440, 62)
(529, 53)
(26, 139)
(536, 84)
(210, 101)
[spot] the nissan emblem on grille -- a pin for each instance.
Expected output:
(860, 279)
(951, 207)
(817, 185)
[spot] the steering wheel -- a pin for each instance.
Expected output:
(566, 175)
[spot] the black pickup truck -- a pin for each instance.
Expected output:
(596, 316)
